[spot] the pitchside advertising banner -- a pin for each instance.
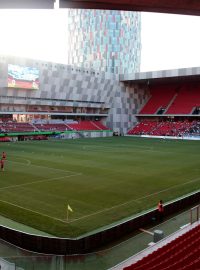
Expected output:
(23, 77)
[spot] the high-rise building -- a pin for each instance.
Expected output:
(105, 40)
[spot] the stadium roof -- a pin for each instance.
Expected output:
(163, 76)
(191, 7)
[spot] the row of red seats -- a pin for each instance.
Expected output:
(185, 101)
(181, 253)
(173, 99)
(51, 127)
(87, 125)
(27, 127)
(14, 126)
(100, 125)
(160, 97)
(4, 139)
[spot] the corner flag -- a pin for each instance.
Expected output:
(69, 208)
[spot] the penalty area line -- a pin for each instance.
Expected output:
(46, 167)
(41, 181)
(27, 164)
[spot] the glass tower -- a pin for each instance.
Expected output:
(104, 40)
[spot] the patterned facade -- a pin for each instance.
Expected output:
(160, 74)
(103, 40)
(62, 85)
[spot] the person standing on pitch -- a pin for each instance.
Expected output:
(2, 164)
(160, 210)
(4, 155)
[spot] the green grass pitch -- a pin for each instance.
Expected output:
(103, 180)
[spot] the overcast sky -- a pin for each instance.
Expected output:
(39, 34)
(168, 41)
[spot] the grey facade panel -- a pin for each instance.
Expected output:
(70, 85)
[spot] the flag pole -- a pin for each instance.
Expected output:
(67, 214)
(68, 209)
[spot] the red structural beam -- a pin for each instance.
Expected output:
(189, 7)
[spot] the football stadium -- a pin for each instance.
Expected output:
(100, 169)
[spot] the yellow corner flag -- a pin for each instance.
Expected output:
(69, 208)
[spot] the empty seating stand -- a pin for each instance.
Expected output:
(99, 125)
(161, 96)
(183, 253)
(87, 125)
(187, 99)
(173, 99)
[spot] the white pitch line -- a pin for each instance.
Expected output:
(126, 149)
(27, 164)
(131, 151)
(31, 164)
(33, 211)
(41, 181)
(156, 151)
(135, 200)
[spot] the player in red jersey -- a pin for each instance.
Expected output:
(2, 164)
(4, 155)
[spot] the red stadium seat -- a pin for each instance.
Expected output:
(160, 98)
(180, 254)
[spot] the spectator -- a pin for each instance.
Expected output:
(2, 164)
(160, 210)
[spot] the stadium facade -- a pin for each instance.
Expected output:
(80, 93)
(103, 40)
(67, 92)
